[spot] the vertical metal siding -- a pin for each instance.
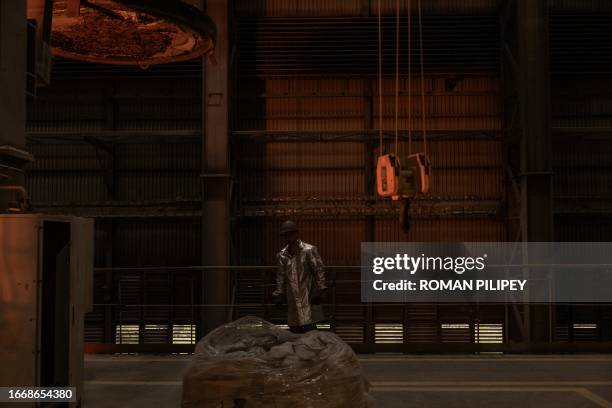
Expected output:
(474, 104)
(582, 161)
(583, 229)
(319, 104)
(346, 8)
(569, 6)
(70, 170)
(458, 230)
(157, 242)
(75, 171)
(160, 171)
(582, 110)
(83, 105)
(69, 107)
(583, 169)
(338, 240)
(66, 172)
(285, 173)
(172, 104)
(299, 8)
(303, 170)
(388, 7)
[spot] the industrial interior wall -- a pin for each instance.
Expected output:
(12, 73)
(122, 145)
(582, 164)
(295, 83)
(317, 102)
(352, 8)
(22, 282)
(581, 75)
(325, 184)
(13, 68)
(467, 168)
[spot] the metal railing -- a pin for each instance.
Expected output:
(149, 306)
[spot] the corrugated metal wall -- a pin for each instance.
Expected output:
(297, 173)
(312, 145)
(582, 158)
(454, 43)
(122, 145)
(286, 179)
(348, 8)
(582, 119)
(307, 83)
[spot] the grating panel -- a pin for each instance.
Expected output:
(183, 334)
(127, 334)
(489, 333)
(585, 331)
(455, 333)
(421, 332)
(94, 325)
(562, 332)
(388, 333)
(350, 333)
(155, 334)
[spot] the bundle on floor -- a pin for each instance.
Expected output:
(253, 363)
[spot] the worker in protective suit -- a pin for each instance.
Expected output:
(300, 281)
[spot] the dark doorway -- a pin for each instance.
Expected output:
(55, 308)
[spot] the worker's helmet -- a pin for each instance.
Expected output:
(288, 227)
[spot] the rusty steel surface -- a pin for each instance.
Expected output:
(19, 299)
(131, 32)
(325, 186)
(22, 276)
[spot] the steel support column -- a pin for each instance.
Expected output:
(536, 142)
(13, 45)
(215, 175)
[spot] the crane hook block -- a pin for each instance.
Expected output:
(388, 170)
(397, 181)
(415, 175)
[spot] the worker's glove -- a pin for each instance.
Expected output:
(316, 296)
(279, 301)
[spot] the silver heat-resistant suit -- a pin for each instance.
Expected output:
(296, 277)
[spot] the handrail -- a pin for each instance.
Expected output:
(207, 267)
(329, 267)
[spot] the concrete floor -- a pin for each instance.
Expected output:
(397, 381)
